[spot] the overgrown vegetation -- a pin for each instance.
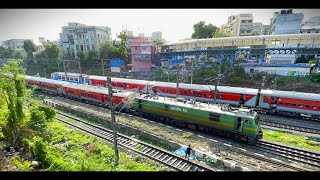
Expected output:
(17, 122)
(290, 139)
(71, 150)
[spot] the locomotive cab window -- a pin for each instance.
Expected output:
(214, 116)
(247, 121)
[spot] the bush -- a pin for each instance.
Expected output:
(40, 152)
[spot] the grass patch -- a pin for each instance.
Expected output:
(290, 139)
(72, 150)
(186, 134)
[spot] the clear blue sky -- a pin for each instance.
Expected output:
(174, 24)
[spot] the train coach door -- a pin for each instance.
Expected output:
(242, 100)
(239, 125)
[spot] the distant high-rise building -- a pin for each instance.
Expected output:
(78, 37)
(312, 25)
(286, 22)
(239, 25)
(156, 36)
(42, 40)
(257, 28)
(14, 44)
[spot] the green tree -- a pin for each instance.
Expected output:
(29, 47)
(39, 117)
(104, 50)
(91, 55)
(40, 55)
(51, 51)
(13, 91)
(123, 49)
(5, 53)
(315, 77)
(219, 33)
(19, 54)
(201, 30)
(158, 42)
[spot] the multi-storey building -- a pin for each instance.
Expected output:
(78, 37)
(257, 28)
(156, 36)
(239, 25)
(142, 54)
(286, 22)
(14, 44)
(312, 25)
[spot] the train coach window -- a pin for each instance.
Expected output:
(307, 106)
(247, 121)
(60, 77)
(169, 91)
(82, 94)
(287, 104)
(314, 107)
(76, 79)
(196, 93)
(293, 105)
(300, 106)
(187, 93)
(90, 95)
(281, 103)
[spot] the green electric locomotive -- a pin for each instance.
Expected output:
(239, 123)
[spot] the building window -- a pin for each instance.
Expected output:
(81, 47)
(243, 21)
(249, 21)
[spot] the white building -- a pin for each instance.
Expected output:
(14, 44)
(156, 36)
(141, 35)
(286, 22)
(283, 70)
(312, 25)
(78, 37)
(239, 25)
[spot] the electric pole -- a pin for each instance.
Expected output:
(81, 78)
(191, 71)
(168, 69)
(178, 80)
(115, 143)
(65, 69)
(102, 65)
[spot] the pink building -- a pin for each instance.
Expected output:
(142, 54)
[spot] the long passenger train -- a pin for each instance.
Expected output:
(241, 124)
(288, 103)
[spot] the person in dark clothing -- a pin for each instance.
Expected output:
(188, 152)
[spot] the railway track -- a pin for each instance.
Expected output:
(161, 156)
(290, 127)
(293, 154)
(248, 153)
